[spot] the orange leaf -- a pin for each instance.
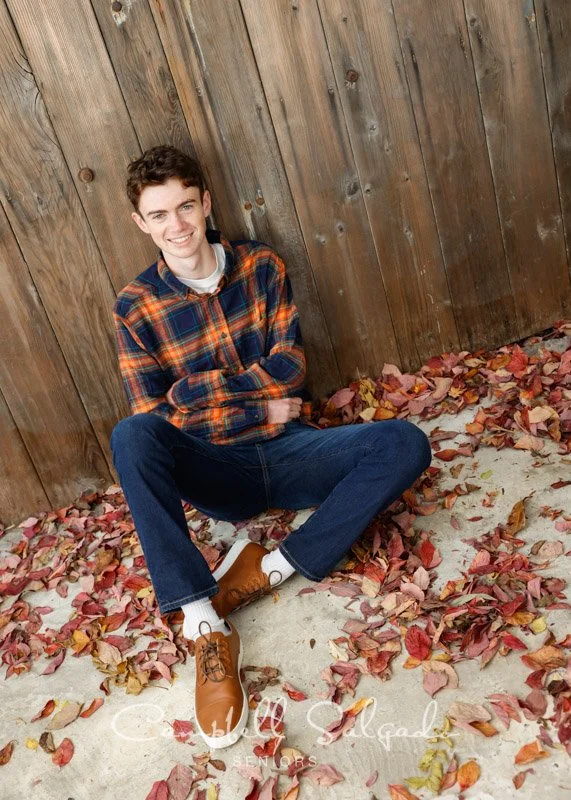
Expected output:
(6, 753)
(485, 727)
(530, 752)
(400, 792)
(468, 774)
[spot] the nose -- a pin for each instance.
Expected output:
(176, 223)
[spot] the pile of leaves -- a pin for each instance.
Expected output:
(91, 549)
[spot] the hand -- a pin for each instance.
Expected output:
(169, 396)
(283, 410)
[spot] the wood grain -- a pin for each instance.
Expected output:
(21, 491)
(510, 81)
(554, 29)
(70, 63)
(40, 393)
(440, 74)
(299, 84)
(224, 104)
(141, 69)
(56, 240)
(365, 51)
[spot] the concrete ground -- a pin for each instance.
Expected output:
(127, 745)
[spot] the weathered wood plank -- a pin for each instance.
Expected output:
(39, 390)
(56, 241)
(554, 28)
(223, 101)
(69, 60)
(510, 81)
(440, 74)
(296, 73)
(142, 71)
(21, 491)
(366, 55)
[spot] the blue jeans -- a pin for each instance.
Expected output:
(351, 472)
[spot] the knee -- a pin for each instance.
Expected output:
(409, 442)
(133, 434)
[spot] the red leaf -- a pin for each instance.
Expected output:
(159, 791)
(6, 753)
(63, 754)
(417, 642)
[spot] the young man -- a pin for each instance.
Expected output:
(211, 356)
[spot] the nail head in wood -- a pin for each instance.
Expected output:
(86, 175)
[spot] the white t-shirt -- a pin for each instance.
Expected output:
(208, 284)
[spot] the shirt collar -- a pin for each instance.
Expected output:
(172, 282)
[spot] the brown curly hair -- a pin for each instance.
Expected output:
(158, 165)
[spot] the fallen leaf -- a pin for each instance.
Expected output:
(468, 774)
(400, 792)
(180, 782)
(324, 775)
(68, 713)
(530, 752)
(64, 753)
(417, 642)
(45, 712)
(6, 753)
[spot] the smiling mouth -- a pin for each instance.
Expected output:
(181, 239)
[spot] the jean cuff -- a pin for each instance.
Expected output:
(298, 568)
(173, 605)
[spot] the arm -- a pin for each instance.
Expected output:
(278, 374)
(146, 387)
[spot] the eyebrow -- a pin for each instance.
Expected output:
(163, 211)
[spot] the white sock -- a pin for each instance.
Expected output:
(275, 563)
(201, 611)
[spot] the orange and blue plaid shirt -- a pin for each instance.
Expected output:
(226, 353)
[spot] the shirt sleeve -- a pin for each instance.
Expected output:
(146, 386)
(278, 374)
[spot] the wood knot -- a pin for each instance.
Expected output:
(86, 175)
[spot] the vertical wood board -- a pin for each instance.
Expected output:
(508, 70)
(296, 72)
(55, 239)
(70, 63)
(440, 74)
(37, 385)
(365, 51)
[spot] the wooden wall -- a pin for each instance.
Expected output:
(409, 159)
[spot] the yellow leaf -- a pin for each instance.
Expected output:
(32, 744)
(144, 592)
(520, 618)
(358, 706)
(212, 792)
(468, 774)
(538, 625)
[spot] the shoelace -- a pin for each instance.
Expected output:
(213, 657)
(248, 595)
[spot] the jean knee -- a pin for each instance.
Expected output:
(129, 434)
(417, 445)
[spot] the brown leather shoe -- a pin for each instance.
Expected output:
(240, 578)
(220, 702)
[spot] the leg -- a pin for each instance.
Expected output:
(158, 464)
(352, 472)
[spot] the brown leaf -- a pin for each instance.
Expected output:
(65, 716)
(47, 742)
(6, 753)
(519, 778)
(516, 519)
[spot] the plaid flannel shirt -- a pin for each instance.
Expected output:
(225, 353)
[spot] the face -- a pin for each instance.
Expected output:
(175, 218)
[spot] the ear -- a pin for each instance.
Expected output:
(206, 203)
(138, 219)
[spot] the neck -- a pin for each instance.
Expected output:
(201, 265)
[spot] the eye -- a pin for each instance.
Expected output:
(157, 217)
(187, 206)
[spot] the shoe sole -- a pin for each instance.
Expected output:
(230, 559)
(230, 738)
